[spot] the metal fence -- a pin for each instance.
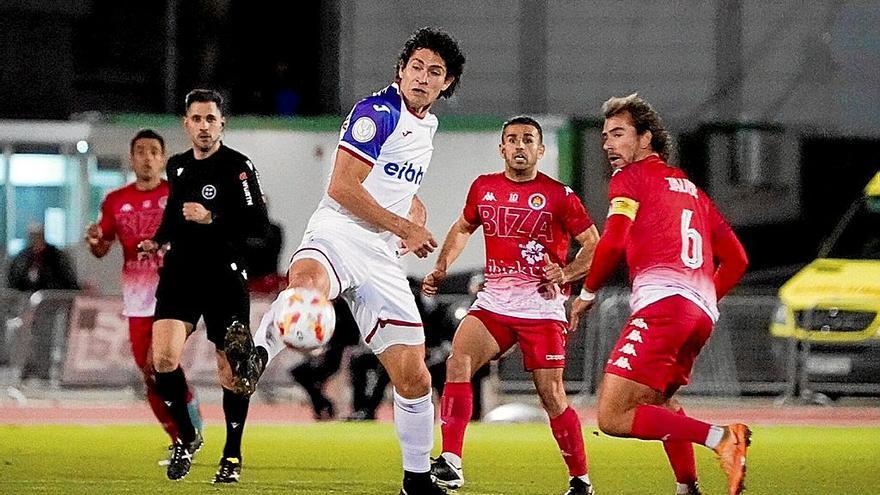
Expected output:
(68, 339)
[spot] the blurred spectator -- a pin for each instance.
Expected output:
(41, 265)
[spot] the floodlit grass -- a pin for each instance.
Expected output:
(363, 458)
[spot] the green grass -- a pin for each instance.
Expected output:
(364, 459)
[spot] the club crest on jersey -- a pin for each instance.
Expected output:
(209, 191)
(363, 129)
(537, 201)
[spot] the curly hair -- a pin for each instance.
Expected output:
(442, 44)
(644, 118)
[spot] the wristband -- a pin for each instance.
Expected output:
(586, 295)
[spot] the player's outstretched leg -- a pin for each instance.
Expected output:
(731, 452)
(247, 367)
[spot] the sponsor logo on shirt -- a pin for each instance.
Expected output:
(682, 186)
(248, 198)
(532, 252)
(405, 172)
(363, 130)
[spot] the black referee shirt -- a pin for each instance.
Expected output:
(226, 184)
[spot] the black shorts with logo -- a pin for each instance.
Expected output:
(217, 292)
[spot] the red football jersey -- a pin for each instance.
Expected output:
(669, 250)
(132, 216)
(521, 222)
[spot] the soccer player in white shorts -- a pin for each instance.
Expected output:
(368, 217)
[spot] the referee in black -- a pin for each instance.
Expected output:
(215, 208)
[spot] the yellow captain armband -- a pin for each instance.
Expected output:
(622, 205)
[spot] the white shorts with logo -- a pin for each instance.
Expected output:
(368, 276)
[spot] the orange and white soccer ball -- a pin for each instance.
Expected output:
(305, 318)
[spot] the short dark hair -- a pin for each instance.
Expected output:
(442, 44)
(644, 118)
(524, 120)
(204, 96)
(146, 134)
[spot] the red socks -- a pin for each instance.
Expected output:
(659, 423)
(456, 407)
(681, 458)
(567, 432)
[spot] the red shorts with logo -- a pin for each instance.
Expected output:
(542, 341)
(659, 344)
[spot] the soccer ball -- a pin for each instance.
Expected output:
(305, 318)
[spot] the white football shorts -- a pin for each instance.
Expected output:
(366, 273)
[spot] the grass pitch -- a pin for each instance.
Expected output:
(363, 458)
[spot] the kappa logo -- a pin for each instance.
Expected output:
(622, 363)
(639, 323)
(209, 192)
(126, 207)
(628, 349)
(635, 336)
(489, 196)
(568, 190)
(381, 108)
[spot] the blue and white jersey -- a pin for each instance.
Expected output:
(397, 145)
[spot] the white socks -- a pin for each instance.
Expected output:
(716, 433)
(414, 421)
(267, 335)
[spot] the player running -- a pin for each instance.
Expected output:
(350, 247)
(132, 214)
(672, 234)
(527, 220)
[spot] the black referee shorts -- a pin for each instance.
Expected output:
(189, 291)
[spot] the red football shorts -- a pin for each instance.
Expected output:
(542, 341)
(659, 344)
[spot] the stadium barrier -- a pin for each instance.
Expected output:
(70, 339)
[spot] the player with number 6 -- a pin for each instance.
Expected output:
(682, 257)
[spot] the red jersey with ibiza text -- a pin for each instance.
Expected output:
(132, 216)
(521, 222)
(669, 250)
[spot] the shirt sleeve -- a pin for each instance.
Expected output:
(623, 195)
(107, 221)
(470, 213)
(244, 219)
(367, 128)
(576, 218)
(171, 217)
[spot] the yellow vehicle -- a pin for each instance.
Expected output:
(833, 303)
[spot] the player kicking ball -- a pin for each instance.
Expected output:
(527, 220)
(682, 257)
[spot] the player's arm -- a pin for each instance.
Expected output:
(580, 265)
(609, 252)
(730, 255)
(171, 217)
(100, 235)
(456, 240)
(243, 218)
(346, 188)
